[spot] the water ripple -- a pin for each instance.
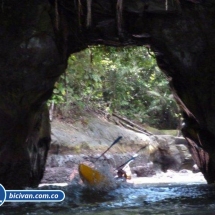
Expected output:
(126, 199)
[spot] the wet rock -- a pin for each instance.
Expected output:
(94, 138)
(66, 161)
(195, 169)
(56, 175)
(144, 171)
(171, 153)
(184, 171)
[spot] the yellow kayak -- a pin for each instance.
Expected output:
(91, 176)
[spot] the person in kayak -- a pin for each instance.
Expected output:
(124, 170)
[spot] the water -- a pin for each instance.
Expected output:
(126, 199)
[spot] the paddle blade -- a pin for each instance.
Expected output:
(128, 161)
(115, 141)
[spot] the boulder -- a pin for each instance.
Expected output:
(144, 171)
(171, 152)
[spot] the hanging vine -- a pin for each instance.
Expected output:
(119, 8)
(56, 15)
(89, 13)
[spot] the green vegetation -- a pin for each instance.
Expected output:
(122, 80)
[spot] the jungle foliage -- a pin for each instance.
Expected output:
(122, 80)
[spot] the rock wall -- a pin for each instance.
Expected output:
(74, 144)
(30, 64)
(184, 50)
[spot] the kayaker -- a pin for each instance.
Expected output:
(124, 172)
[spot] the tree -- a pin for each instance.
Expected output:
(126, 80)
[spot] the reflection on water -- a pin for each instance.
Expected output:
(127, 199)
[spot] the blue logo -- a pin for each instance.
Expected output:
(30, 195)
(34, 195)
(2, 194)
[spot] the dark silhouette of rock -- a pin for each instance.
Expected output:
(29, 66)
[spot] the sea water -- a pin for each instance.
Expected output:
(124, 199)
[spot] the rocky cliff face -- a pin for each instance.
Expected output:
(29, 66)
(185, 52)
(38, 36)
(78, 143)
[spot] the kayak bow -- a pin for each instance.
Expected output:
(91, 176)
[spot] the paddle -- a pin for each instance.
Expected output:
(115, 141)
(132, 158)
(141, 149)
